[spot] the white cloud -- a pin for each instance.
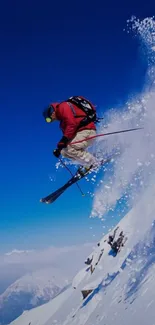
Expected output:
(17, 263)
(17, 251)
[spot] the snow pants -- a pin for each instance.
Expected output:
(78, 151)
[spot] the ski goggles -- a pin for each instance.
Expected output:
(47, 114)
(48, 119)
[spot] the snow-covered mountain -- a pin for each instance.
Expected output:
(121, 287)
(31, 278)
(30, 291)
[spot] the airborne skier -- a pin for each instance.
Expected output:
(77, 116)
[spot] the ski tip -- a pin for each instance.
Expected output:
(44, 201)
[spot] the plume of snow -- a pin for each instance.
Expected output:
(136, 162)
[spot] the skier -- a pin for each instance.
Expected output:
(77, 116)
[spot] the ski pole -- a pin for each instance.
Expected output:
(104, 134)
(78, 186)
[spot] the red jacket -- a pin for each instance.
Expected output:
(68, 122)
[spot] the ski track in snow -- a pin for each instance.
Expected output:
(122, 286)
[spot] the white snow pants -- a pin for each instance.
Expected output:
(78, 151)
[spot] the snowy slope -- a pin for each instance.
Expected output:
(116, 281)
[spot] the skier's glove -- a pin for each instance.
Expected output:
(62, 143)
(56, 152)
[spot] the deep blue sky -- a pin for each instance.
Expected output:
(48, 51)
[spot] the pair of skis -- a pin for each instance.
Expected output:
(77, 177)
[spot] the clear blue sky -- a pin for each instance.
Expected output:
(51, 50)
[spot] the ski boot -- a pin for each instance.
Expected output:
(84, 170)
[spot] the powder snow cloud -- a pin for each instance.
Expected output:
(136, 163)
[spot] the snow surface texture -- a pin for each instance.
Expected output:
(122, 286)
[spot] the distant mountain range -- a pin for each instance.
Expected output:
(30, 291)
